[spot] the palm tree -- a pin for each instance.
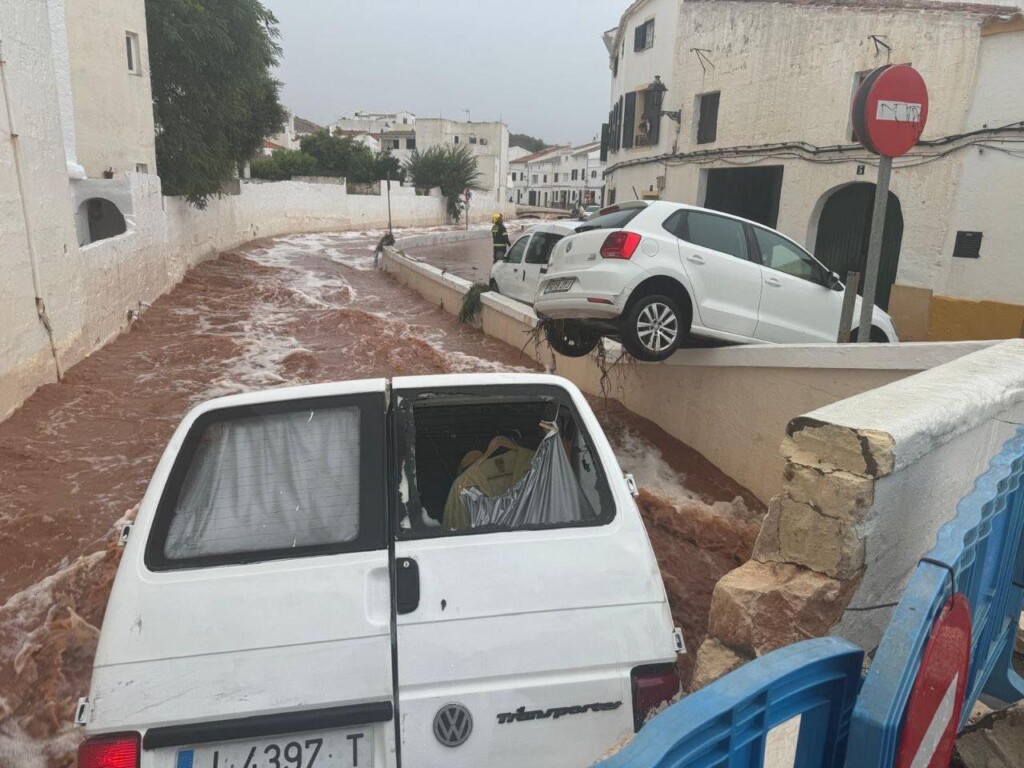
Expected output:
(452, 168)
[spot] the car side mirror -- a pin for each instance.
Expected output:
(834, 283)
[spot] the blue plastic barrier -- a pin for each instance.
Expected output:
(728, 724)
(982, 549)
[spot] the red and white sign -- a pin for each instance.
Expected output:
(937, 698)
(890, 110)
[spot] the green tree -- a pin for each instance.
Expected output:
(341, 156)
(283, 165)
(388, 166)
(213, 96)
(527, 142)
(452, 167)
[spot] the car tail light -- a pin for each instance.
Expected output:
(652, 686)
(620, 245)
(117, 751)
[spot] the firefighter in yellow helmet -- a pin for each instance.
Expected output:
(500, 237)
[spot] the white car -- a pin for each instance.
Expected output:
(518, 274)
(654, 273)
(443, 570)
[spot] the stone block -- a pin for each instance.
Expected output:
(829, 447)
(995, 741)
(796, 533)
(839, 494)
(759, 607)
(715, 660)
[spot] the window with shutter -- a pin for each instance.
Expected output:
(707, 118)
(628, 119)
(605, 140)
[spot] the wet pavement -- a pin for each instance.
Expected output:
(300, 309)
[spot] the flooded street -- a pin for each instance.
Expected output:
(77, 457)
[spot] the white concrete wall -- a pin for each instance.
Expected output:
(113, 107)
(990, 195)
(35, 213)
(943, 426)
(492, 157)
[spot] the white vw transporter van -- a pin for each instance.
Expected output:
(421, 572)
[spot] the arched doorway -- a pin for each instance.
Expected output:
(98, 219)
(844, 228)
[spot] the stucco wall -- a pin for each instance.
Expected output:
(990, 196)
(113, 107)
(35, 216)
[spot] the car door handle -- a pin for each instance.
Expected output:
(773, 282)
(407, 585)
(695, 258)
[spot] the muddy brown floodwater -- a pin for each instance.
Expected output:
(76, 458)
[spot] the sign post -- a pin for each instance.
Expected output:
(889, 114)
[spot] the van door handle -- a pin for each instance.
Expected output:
(543, 270)
(407, 585)
(773, 282)
(695, 258)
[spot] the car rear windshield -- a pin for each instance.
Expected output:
(614, 220)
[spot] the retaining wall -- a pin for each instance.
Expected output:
(868, 482)
(732, 404)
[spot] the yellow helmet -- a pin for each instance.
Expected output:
(496, 218)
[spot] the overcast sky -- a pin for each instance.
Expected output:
(539, 65)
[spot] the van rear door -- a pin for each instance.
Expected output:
(516, 638)
(250, 622)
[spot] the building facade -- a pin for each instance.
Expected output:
(112, 101)
(559, 177)
(487, 140)
(744, 107)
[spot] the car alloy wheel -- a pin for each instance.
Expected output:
(657, 327)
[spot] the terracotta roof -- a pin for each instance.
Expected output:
(306, 126)
(268, 144)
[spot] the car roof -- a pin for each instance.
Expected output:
(668, 207)
(563, 227)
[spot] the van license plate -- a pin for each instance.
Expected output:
(559, 286)
(330, 749)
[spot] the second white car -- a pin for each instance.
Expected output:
(518, 274)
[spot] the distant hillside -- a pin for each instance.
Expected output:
(527, 142)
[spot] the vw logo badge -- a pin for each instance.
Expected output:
(452, 725)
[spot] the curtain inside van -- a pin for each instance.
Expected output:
(269, 483)
(548, 494)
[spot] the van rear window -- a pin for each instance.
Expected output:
(497, 460)
(283, 484)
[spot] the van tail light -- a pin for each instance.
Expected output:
(119, 750)
(653, 685)
(620, 245)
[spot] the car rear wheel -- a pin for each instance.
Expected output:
(654, 327)
(877, 335)
(570, 338)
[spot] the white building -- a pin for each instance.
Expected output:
(375, 122)
(487, 140)
(755, 121)
(559, 177)
(294, 130)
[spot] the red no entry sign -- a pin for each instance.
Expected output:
(933, 709)
(890, 110)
